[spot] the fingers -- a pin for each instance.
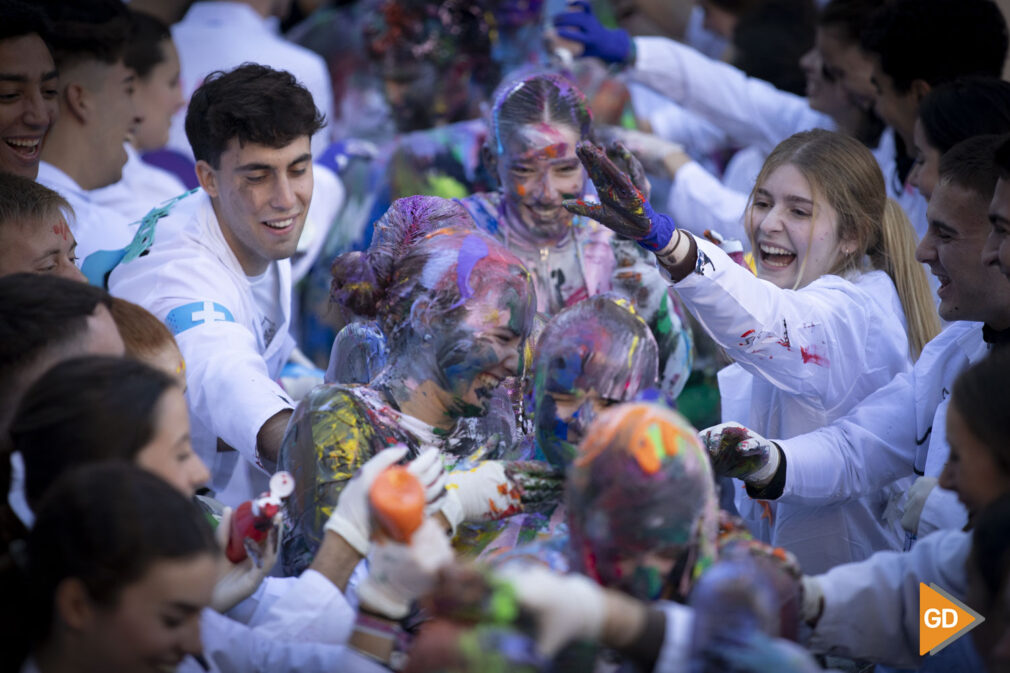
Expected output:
(222, 532)
(430, 471)
(634, 168)
(384, 459)
(614, 187)
(593, 211)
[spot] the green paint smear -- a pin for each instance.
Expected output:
(657, 441)
(663, 322)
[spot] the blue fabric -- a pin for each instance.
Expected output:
(611, 45)
(660, 232)
(97, 265)
(187, 316)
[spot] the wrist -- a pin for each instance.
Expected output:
(336, 559)
(763, 476)
(375, 636)
(674, 161)
(624, 619)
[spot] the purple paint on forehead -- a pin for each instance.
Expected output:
(473, 249)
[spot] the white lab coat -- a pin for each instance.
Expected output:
(802, 359)
(192, 281)
(898, 430)
(675, 653)
(101, 232)
(223, 35)
(871, 609)
(141, 188)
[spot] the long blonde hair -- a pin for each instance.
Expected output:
(841, 169)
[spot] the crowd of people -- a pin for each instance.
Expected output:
(449, 335)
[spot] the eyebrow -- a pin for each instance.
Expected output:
(23, 79)
(791, 198)
(184, 607)
(942, 226)
(47, 253)
(996, 217)
(267, 167)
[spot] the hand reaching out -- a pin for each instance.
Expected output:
(739, 452)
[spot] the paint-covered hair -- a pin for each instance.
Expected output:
(845, 174)
(600, 343)
(642, 484)
(536, 99)
(425, 261)
(106, 526)
(64, 419)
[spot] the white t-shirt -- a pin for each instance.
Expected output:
(267, 295)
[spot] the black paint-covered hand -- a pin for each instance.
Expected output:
(622, 208)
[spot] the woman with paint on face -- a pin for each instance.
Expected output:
(535, 124)
(838, 308)
(113, 577)
(455, 308)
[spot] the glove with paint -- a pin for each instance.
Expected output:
(628, 162)
(622, 208)
(239, 581)
(741, 453)
(352, 519)
(918, 493)
(482, 493)
(579, 25)
(564, 607)
(399, 574)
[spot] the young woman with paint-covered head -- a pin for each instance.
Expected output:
(953, 112)
(535, 124)
(455, 308)
(113, 577)
(838, 308)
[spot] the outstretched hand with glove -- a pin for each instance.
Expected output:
(578, 24)
(482, 493)
(238, 581)
(739, 452)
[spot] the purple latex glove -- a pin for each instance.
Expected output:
(622, 206)
(579, 25)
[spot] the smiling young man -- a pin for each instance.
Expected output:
(218, 272)
(28, 88)
(900, 429)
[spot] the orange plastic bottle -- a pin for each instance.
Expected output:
(397, 500)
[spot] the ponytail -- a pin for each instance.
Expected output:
(894, 253)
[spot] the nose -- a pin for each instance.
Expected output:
(990, 251)
(925, 252)
(913, 177)
(190, 641)
(283, 197)
(199, 474)
(809, 62)
(70, 271)
(948, 477)
(37, 112)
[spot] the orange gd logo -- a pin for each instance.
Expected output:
(942, 619)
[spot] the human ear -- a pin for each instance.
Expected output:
(490, 161)
(920, 88)
(78, 101)
(207, 177)
(72, 605)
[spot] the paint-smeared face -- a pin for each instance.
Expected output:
(538, 169)
(40, 247)
(561, 420)
(169, 454)
(795, 236)
(261, 196)
(926, 171)
(971, 470)
(952, 248)
(28, 103)
(155, 623)
(158, 98)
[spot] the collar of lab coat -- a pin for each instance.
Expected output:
(54, 178)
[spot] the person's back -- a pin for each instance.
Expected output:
(223, 35)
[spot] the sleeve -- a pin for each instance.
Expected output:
(942, 511)
(674, 656)
(871, 608)
(750, 111)
(311, 610)
(671, 121)
(229, 387)
(858, 454)
(699, 201)
(812, 343)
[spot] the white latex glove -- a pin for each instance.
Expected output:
(480, 494)
(399, 573)
(918, 492)
(352, 518)
(238, 581)
(430, 471)
(812, 602)
(741, 453)
(565, 607)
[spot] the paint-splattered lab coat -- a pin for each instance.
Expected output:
(898, 430)
(191, 280)
(802, 359)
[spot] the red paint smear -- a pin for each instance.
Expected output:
(813, 357)
(62, 230)
(747, 334)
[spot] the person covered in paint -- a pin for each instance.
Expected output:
(838, 308)
(535, 124)
(590, 356)
(455, 308)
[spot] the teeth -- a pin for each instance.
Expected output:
(18, 142)
(280, 224)
(772, 250)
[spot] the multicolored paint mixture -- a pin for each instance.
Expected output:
(642, 510)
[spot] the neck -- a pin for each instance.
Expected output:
(424, 401)
(52, 659)
(64, 148)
